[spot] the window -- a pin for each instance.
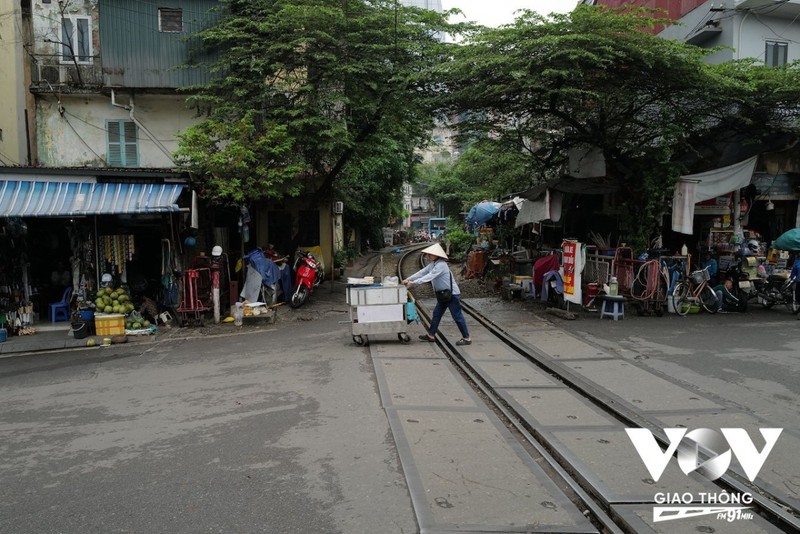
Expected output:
(776, 53)
(170, 20)
(123, 145)
(76, 39)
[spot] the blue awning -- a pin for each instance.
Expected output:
(66, 198)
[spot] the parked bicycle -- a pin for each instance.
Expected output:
(693, 290)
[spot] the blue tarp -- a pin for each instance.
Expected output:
(482, 212)
(271, 274)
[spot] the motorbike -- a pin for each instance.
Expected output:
(307, 276)
(776, 289)
(741, 288)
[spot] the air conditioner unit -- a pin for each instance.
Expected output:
(338, 207)
(51, 74)
(57, 74)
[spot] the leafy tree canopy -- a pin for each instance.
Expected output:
(593, 79)
(306, 91)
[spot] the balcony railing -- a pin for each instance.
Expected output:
(50, 74)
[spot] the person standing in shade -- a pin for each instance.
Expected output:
(438, 274)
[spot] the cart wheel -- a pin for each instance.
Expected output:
(403, 337)
(366, 341)
(358, 340)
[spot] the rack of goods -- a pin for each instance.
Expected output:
(377, 309)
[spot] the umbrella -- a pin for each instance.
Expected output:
(482, 212)
(789, 240)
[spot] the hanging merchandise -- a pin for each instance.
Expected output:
(116, 250)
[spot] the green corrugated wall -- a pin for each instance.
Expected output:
(136, 54)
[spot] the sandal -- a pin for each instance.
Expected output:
(426, 337)
(463, 341)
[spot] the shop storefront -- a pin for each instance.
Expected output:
(60, 231)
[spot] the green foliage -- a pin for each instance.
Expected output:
(306, 91)
(458, 239)
(591, 79)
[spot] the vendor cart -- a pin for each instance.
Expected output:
(377, 309)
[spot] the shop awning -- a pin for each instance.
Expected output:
(66, 198)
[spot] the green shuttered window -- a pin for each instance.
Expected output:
(123, 144)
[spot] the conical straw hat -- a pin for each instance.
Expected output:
(435, 249)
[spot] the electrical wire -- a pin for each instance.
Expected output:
(86, 144)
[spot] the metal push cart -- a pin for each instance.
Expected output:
(192, 306)
(377, 309)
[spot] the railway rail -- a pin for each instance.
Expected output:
(615, 507)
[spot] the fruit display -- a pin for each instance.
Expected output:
(108, 300)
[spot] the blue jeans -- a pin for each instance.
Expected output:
(455, 310)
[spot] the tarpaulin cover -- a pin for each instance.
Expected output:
(695, 188)
(546, 208)
(789, 240)
(482, 212)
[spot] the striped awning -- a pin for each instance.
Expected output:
(66, 198)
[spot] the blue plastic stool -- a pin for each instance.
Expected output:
(613, 307)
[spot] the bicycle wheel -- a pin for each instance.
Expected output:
(680, 298)
(708, 298)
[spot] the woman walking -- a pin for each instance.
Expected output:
(448, 295)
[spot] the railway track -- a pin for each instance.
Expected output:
(624, 504)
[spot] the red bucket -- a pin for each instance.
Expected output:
(591, 293)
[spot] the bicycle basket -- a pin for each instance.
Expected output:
(699, 276)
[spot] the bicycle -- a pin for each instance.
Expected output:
(694, 290)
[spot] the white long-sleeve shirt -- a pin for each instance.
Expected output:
(438, 274)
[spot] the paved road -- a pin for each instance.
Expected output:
(283, 430)
(752, 360)
(280, 431)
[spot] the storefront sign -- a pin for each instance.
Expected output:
(714, 206)
(569, 250)
(573, 253)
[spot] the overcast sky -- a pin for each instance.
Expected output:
(496, 12)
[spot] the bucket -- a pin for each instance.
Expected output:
(591, 293)
(80, 329)
(3, 335)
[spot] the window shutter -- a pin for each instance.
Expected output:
(131, 145)
(123, 144)
(114, 155)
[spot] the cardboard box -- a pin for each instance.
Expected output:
(109, 324)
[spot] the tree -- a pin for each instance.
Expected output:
(305, 92)
(593, 79)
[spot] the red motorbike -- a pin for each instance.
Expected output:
(307, 275)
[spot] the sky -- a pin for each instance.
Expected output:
(496, 12)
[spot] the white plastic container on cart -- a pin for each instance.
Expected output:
(377, 309)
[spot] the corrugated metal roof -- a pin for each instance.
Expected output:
(65, 198)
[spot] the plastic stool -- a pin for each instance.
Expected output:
(613, 307)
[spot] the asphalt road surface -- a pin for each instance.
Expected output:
(283, 430)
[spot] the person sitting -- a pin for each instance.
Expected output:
(726, 300)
